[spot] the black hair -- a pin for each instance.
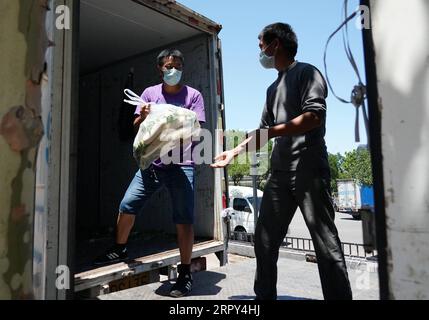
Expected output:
(284, 33)
(169, 53)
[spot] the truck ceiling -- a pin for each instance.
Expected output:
(179, 11)
(112, 30)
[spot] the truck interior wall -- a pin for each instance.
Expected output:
(105, 164)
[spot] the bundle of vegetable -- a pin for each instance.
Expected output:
(163, 130)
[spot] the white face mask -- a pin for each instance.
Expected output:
(172, 77)
(268, 62)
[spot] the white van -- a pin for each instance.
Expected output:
(241, 209)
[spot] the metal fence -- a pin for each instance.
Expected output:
(353, 250)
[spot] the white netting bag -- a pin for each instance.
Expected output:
(162, 131)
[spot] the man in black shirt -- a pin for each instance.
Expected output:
(295, 115)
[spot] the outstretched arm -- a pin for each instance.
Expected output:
(257, 138)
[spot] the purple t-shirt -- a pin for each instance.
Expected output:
(188, 98)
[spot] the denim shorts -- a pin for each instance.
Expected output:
(179, 181)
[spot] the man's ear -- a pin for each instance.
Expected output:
(277, 45)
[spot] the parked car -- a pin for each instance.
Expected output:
(241, 210)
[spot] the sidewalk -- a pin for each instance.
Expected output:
(296, 280)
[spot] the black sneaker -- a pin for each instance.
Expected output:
(113, 255)
(182, 287)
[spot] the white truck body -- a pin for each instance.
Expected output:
(348, 196)
(84, 169)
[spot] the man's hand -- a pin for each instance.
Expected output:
(145, 110)
(225, 158)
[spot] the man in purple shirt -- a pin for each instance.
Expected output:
(178, 177)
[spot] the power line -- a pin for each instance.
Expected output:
(358, 94)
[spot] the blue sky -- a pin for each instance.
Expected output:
(246, 81)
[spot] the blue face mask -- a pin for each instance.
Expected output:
(172, 77)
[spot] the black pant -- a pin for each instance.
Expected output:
(310, 191)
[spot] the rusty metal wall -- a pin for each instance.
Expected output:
(106, 168)
(24, 42)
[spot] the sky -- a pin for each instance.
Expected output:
(246, 82)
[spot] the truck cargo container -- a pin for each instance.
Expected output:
(88, 167)
(353, 198)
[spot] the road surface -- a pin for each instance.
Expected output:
(349, 230)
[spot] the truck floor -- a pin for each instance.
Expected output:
(138, 246)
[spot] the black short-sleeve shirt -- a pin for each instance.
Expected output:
(298, 90)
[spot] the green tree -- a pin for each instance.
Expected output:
(241, 166)
(335, 163)
(238, 170)
(357, 165)
(234, 138)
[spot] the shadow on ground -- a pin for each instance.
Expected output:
(201, 287)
